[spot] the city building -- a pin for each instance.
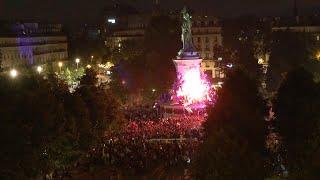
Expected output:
(31, 44)
(206, 32)
(298, 23)
(310, 29)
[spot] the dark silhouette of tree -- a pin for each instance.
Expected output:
(128, 50)
(46, 129)
(289, 51)
(103, 108)
(37, 137)
(298, 114)
(235, 132)
(162, 41)
(244, 35)
(141, 64)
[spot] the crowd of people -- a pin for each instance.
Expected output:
(138, 156)
(146, 112)
(146, 144)
(176, 127)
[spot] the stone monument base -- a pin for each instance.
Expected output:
(178, 110)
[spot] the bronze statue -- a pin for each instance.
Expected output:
(186, 36)
(186, 31)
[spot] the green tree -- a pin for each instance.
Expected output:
(298, 114)
(235, 133)
(71, 76)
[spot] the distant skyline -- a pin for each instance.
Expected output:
(89, 10)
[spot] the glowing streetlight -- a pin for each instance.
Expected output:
(318, 56)
(230, 65)
(60, 64)
(153, 90)
(260, 61)
(13, 73)
(39, 69)
(77, 61)
(88, 66)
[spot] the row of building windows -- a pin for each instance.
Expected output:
(205, 23)
(29, 55)
(205, 39)
(34, 60)
(214, 73)
(29, 43)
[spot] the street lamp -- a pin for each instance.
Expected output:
(77, 61)
(260, 61)
(39, 69)
(60, 64)
(13, 73)
(91, 59)
(153, 90)
(318, 56)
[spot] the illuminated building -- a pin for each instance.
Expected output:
(207, 34)
(32, 43)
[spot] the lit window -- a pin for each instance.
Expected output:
(260, 61)
(318, 38)
(112, 21)
(217, 74)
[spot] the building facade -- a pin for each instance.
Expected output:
(207, 34)
(314, 30)
(32, 44)
(206, 31)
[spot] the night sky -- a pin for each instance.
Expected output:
(88, 10)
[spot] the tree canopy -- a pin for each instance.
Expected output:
(45, 128)
(235, 132)
(297, 111)
(289, 51)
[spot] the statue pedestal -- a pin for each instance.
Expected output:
(184, 64)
